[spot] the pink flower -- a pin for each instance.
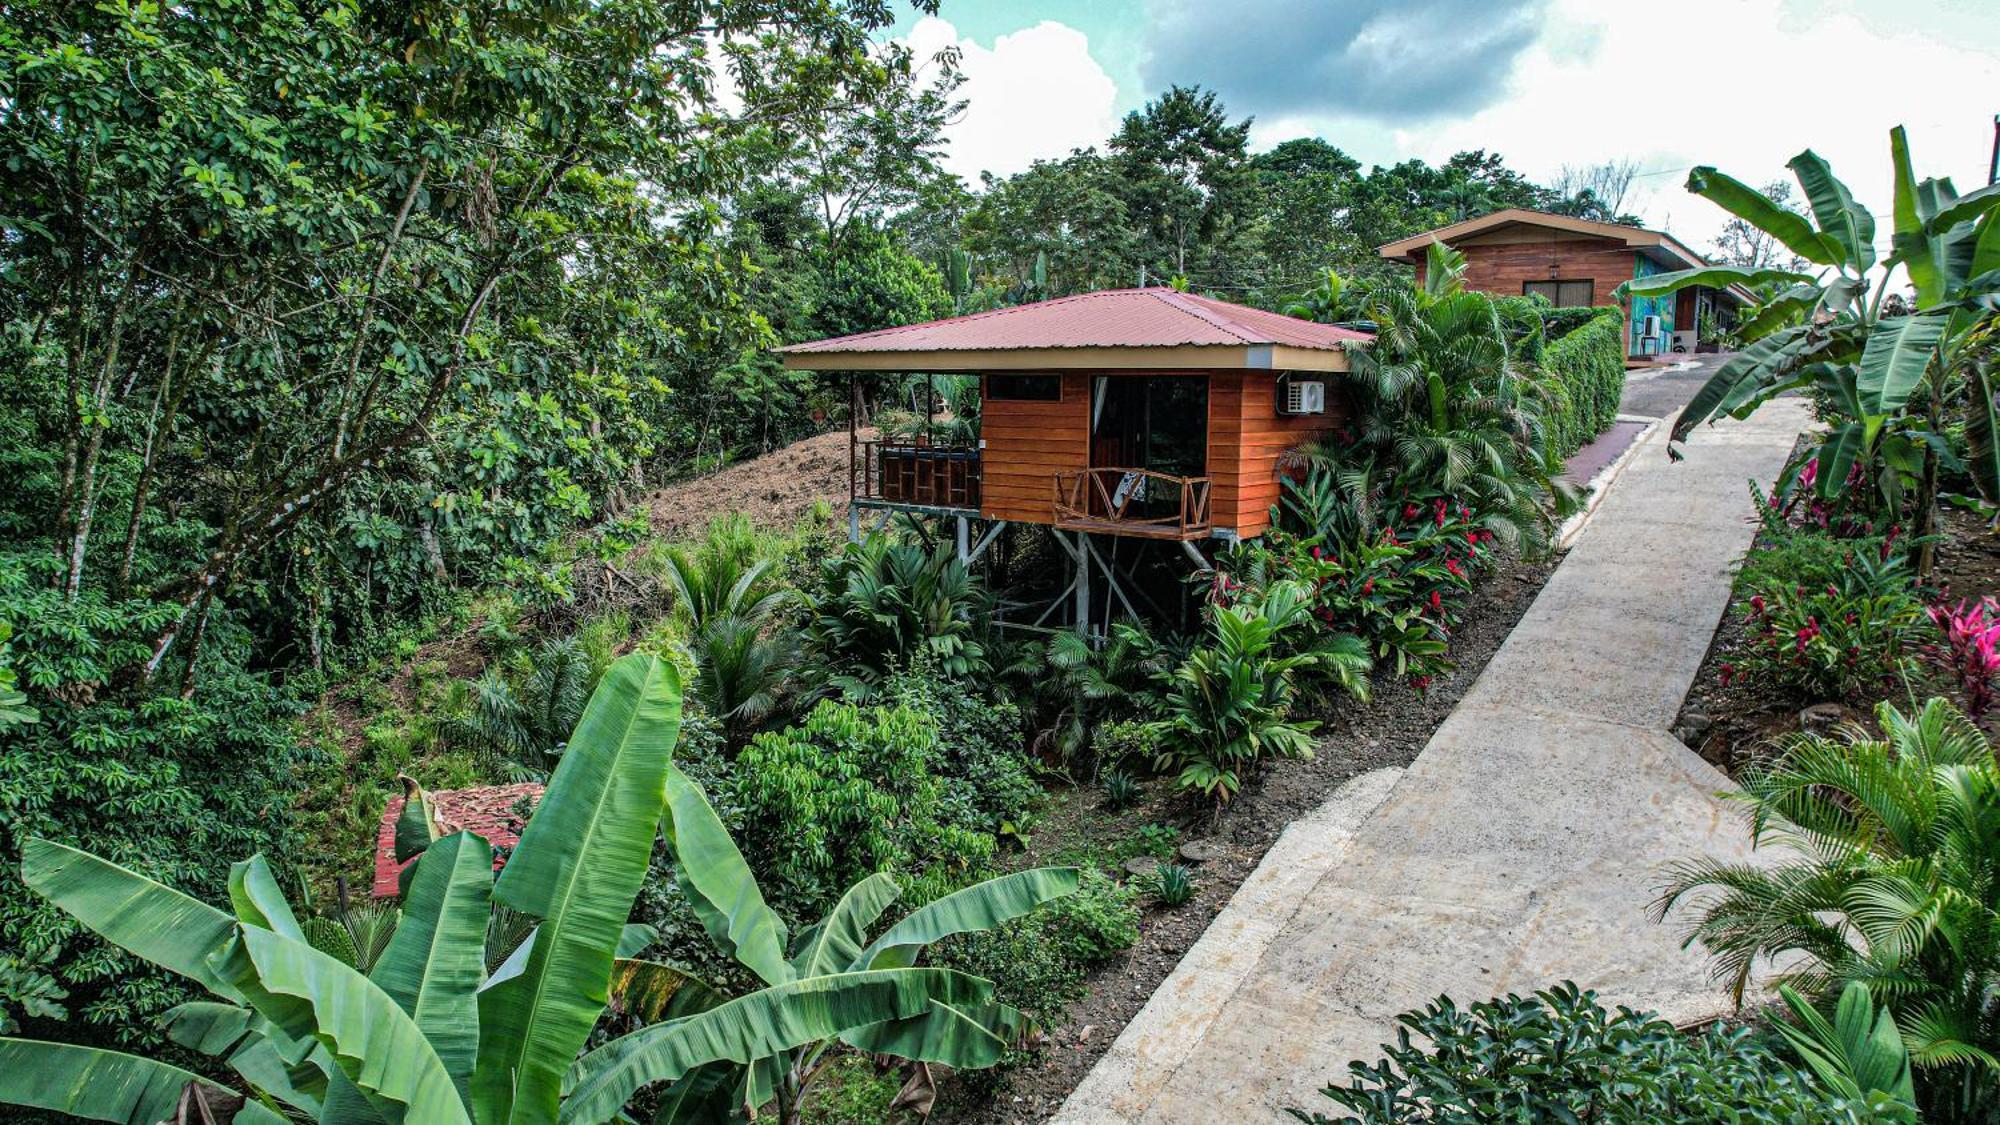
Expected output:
(1368, 587)
(1456, 570)
(1728, 673)
(1437, 602)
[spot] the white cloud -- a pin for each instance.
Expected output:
(1743, 87)
(1740, 84)
(1035, 93)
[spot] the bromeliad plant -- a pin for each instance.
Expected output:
(430, 1035)
(1895, 382)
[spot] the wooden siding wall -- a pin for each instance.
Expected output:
(1247, 437)
(1027, 443)
(1501, 268)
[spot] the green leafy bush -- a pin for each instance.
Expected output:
(880, 605)
(1583, 375)
(168, 786)
(848, 792)
(1827, 643)
(990, 784)
(1229, 706)
(1885, 859)
(1038, 963)
(1561, 1056)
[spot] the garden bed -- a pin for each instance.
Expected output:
(1728, 723)
(1076, 828)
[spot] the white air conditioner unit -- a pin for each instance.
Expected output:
(1303, 396)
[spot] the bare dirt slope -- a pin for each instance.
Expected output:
(775, 490)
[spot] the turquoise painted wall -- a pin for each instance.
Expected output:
(1643, 307)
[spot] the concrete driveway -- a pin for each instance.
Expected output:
(1523, 846)
(1658, 392)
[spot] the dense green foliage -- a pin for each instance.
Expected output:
(1561, 1056)
(851, 791)
(1888, 860)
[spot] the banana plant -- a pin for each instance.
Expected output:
(428, 1034)
(825, 987)
(1888, 374)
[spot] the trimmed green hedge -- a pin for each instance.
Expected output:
(1583, 375)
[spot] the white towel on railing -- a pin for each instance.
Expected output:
(1131, 486)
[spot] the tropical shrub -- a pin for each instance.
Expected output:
(990, 783)
(1584, 371)
(1441, 411)
(1096, 923)
(1561, 1056)
(879, 605)
(521, 712)
(1970, 651)
(1893, 382)
(1827, 643)
(1886, 878)
(1229, 706)
(826, 987)
(848, 792)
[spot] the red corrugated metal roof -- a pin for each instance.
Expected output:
(487, 810)
(1112, 318)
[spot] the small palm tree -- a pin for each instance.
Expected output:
(881, 603)
(523, 713)
(1441, 411)
(1891, 879)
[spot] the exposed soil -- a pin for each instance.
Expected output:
(1731, 724)
(1390, 730)
(775, 490)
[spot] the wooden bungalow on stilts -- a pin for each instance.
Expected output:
(1145, 414)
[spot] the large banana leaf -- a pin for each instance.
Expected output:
(436, 960)
(1966, 208)
(1755, 208)
(149, 919)
(1982, 433)
(378, 1047)
(578, 867)
(1846, 223)
(758, 1026)
(836, 941)
(1913, 242)
(101, 1085)
(1715, 277)
(1763, 361)
(968, 1038)
(258, 899)
(1898, 352)
(719, 884)
(978, 907)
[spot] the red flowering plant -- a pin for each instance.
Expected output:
(1830, 643)
(1970, 649)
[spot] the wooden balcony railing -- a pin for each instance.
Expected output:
(915, 473)
(1137, 502)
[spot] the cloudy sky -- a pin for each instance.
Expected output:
(1740, 84)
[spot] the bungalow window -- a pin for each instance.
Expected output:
(1563, 294)
(1024, 388)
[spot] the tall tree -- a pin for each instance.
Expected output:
(1185, 179)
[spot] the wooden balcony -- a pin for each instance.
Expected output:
(914, 474)
(1137, 502)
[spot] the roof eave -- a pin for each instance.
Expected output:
(1186, 357)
